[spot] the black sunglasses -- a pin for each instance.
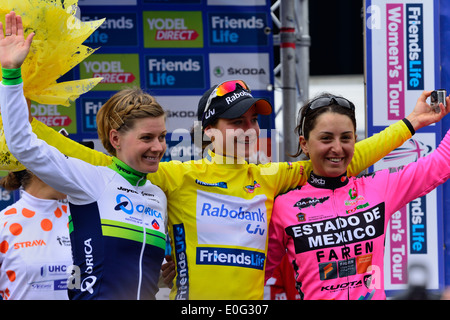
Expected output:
(325, 102)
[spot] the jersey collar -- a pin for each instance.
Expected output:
(213, 158)
(326, 182)
(134, 177)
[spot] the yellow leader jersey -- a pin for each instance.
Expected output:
(219, 213)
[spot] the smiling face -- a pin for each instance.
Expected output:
(236, 137)
(143, 146)
(331, 144)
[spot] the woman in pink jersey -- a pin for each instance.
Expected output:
(333, 228)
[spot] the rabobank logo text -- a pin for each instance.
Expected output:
(238, 29)
(175, 72)
(233, 213)
(230, 257)
(235, 224)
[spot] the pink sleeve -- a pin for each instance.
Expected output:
(418, 178)
(277, 240)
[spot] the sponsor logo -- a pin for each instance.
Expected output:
(88, 282)
(110, 71)
(222, 185)
(123, 203)
(155, 224)
(418, 225)
(50, 115)
(119, 29)
(237, 29)
(253, 68)
(354, 199)
(235, 224)
(90, 107)
(182, 279)
(239, 213)
(173, 29)
(398, 239)
(54, 269)
(29, 244)
(415, 49)
(237, 95)
(317, 181)
(115, 69)
(175, 72)
(301, 217)
(395, 62)
(412, 149)
(328, 271)
(63, 241)
(251, 188)
(230, 257)
(361, 226)
(308, 202)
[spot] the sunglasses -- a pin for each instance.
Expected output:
(325, 102)
(224, 88)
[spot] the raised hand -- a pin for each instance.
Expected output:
(423, 115)
(13, 47)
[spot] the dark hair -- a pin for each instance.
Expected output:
(15, 180)
(197, 129)
(307, 118)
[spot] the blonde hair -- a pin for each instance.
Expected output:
(121, 111)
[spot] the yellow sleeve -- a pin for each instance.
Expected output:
(169, 175)
(372, 149)
(69, 147)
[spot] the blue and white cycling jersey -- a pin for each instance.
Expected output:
(118, 218)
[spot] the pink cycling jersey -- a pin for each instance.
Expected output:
(333, 229)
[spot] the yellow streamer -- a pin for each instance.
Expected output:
(57, 48)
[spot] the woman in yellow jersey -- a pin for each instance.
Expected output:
(219, 207)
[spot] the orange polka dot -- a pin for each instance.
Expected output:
(27, 213)
(58, 213)
(64, 207)
(15, 229)
(46, 225)
(4, 246)
(11, 275)
(11, 211)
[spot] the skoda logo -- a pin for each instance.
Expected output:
(124, 204)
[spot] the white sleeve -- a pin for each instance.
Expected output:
(71, 176)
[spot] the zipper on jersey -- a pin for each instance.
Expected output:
(342, 232)
(144, 241)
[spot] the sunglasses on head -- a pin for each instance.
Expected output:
(325, 102)
(224, 88)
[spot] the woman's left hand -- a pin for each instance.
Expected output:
(424, 115)
(13, 47)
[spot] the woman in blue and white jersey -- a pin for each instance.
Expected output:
(118, 218)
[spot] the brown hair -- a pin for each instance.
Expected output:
(305, 126)
(121, 111)
(15, 180)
